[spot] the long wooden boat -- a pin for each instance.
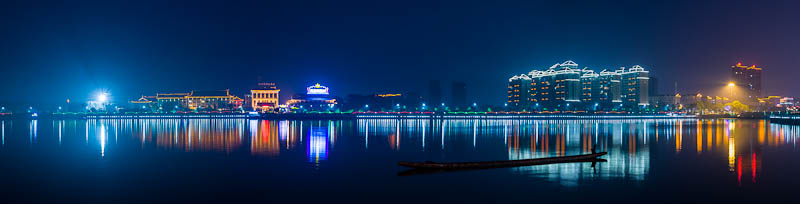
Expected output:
(501, 164)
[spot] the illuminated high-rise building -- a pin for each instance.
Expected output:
(590, 86)
(565, 87)
(635, 86)
(556, 87)
(748, 78)
(519, 92)
(610, 88)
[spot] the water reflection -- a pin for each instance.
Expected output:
(736, 145)
(627, 142)
(317, 144)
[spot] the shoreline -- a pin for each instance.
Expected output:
(350, 116)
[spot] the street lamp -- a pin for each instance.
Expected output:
(731, 85)
(102, 97)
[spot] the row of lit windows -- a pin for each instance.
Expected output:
(265, 95)
(196, 99)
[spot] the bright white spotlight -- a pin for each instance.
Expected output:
(102, 97)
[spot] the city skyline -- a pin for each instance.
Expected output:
(53, 55)
(432, 101)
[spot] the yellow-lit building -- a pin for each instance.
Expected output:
(265, 98)
(199, 100)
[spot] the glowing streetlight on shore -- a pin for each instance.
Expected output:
(102, 97)
(731, 85)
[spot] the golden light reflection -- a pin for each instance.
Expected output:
(709, 135)
(761, 131)
(265, 140)
(731, 153)
(699, 137)
(679, 137)
(718, 130)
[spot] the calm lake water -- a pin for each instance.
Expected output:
(174, 160)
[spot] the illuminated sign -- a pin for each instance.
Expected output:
(317, 90)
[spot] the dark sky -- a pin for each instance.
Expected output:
(51, 51)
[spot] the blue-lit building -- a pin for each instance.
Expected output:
(316, 98)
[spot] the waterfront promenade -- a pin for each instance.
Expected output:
(354, 115)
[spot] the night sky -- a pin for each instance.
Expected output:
(51, 51)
